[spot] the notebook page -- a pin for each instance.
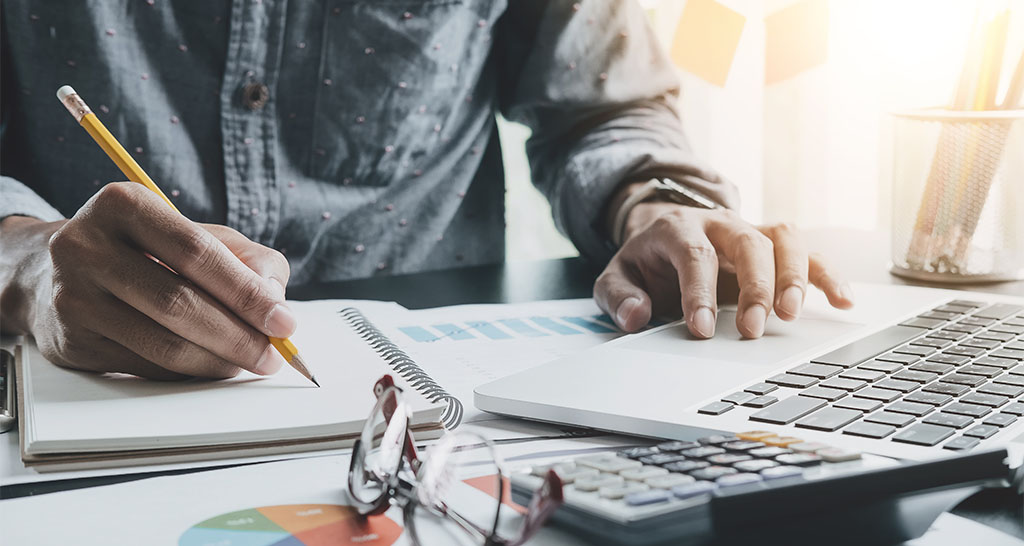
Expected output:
(78, 411)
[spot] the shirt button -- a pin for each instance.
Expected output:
(255, 96)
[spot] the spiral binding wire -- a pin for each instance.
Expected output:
(404, 366)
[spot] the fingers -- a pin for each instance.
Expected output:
(184, 311)
(838, 292)
(696, 263)
(753, 256)
(791, 264)
(266, 262)
(196, 254)
(618, 294)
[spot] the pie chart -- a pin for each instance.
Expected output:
(293, 525)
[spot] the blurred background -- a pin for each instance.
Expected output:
(789, 100)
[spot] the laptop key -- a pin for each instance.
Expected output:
(980, 343)
(788, 410)
(962, 443)
(1000, 420)
(967, 303)
(858, 351)
(1008, 353)
(862, 375)
(843, 383)
(738, 398)
(951, 389)
(881, 366)
(963, 350)
(860, 404)
(1003, 363)
(916, 350)
(981, 431)
(887, 418)
(791, 380)
(916, 376)
(899, 357)
(962, 328)
(898, 385)
(829, 419)
(1016, 346)
(820, 371)
(948, 335)
(932, 367)
(923, 322)
(869, 430)
(1010, 379)
(933, 398)
(1017, 370)
(910, 408)
(1016, 408)
(975, 369)
(716, 408)
(923, 434)
(954, 309)
(995, 336)
(962, 379)
(761, 388)
(877, 394)
(933, 342)
(824, 393)
(972, 410)
(948, 420)
(980, 398)
(999, 311)
(1008, 328)
(761, 402)
(953, 360)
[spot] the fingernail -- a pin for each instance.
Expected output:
(281, 321)
(270, 361)
(625, 309)
(791, 301)
(846, 292)
(753, 320)
(704, 322)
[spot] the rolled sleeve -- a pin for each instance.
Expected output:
(593, 84)
(16, 199)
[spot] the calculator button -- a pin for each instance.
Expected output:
(869, 430)
(668, 481)
(761, 401)
(738, 398)
(701, 452)
(662, 458)
(559, 468)
(619, 491)
(962, 443)
(1000, 419)
(886, 418)
(686, 466)
(761, 388)
(638, 452)
(715, 408)
(735, 480)
(799, 459)
(642, 498)
(642, 473)
(781, 441)
(742, 445)
(716, 439)
(713, 472)
(981, 431)
(611, 464)
(596, 482)
(770, 451)
(693, 489)
(923, 434)
(948, 420)
(570, 476)
(807, 447)
(728, 458)
(788, 410)
(755, 435)
(676, 446)
(860, 404)
(780, 472)
(837, 455)
(755, 465)
(829, 419)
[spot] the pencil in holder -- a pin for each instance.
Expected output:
(958, 195)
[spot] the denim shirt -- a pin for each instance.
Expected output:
(358, 137)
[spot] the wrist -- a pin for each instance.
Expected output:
(668, 194)
(24, 270)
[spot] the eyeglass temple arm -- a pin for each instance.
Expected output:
(543, 503)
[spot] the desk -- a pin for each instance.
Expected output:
(862, 256)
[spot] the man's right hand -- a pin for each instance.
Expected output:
(92, 293)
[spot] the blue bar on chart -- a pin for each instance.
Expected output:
(488, 329)
(418, 334)
(452, 331)
(592, 326)
(522, 328)
(606, 320)
(555, 327)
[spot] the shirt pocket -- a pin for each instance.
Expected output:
(391, 75)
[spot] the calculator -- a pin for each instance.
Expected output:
(756, 485)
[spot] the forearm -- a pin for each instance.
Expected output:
(24, 261)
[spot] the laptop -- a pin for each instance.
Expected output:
(912, 373)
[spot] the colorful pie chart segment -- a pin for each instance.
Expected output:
(293, 525)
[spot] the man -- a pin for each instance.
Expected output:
(356, 138)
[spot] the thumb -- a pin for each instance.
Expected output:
(618, 295)
(266, 262)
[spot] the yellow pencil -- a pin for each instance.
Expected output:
(77, 107)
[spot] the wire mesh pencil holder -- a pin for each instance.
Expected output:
(958, 195)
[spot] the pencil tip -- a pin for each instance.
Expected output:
(315, 382)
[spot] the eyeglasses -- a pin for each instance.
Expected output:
(386, 470)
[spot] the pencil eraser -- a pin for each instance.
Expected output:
(64, 92)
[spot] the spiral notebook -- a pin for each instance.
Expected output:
(75, 420)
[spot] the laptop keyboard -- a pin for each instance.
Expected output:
(953, 375)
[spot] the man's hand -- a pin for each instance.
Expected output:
(672, 257)
(92, 293)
